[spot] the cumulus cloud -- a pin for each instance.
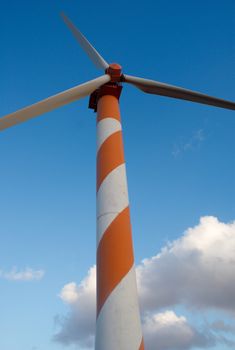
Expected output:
(79, 326)
(162, 331)
(69, 293)
(27, 274)
(196, 271)
(165, 331)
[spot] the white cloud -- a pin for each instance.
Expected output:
(69, 293)
(27, 274)
(196, 270)
(79, 326)
(192, 144)
(165, 331)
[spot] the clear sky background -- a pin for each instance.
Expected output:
(180, 163)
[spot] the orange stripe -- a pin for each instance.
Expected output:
(110, 156)
(142, 345)
(114, 256)
(108, 107)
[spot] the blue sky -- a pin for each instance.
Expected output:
(180, 155)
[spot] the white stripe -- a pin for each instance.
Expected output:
(105, 128)
(112, 198)
(118, 325)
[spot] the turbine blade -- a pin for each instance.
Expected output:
(53, 102)
(157, 88)
(95, 57)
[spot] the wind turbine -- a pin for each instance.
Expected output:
(118, 325)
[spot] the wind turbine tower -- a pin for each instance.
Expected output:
(118, 325)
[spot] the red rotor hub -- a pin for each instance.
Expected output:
(115, 72)
(111, 88)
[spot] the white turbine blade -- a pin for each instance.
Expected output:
(53, 102)
(157, 88)
(95, 57)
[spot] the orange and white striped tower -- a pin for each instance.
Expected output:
(118, 325)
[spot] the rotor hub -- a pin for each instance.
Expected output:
(115, 72)
(113, 87)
